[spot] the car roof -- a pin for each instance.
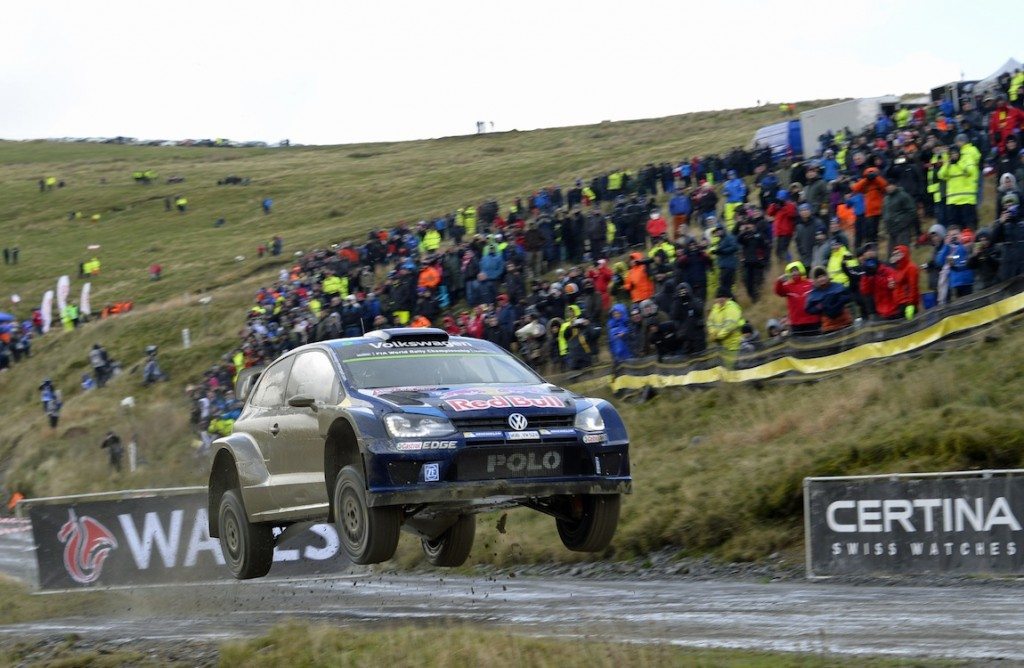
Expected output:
(394, 334)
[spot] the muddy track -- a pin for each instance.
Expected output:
(968, 623)
(958, 621)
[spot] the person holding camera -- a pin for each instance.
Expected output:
(961, 179)
(872, 186)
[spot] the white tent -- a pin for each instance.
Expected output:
(990, 82)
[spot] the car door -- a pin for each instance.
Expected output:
(300, 456)
(261, 420)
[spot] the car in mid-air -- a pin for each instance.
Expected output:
(410, 429)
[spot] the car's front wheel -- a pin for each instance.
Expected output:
(452, 547)
(591, 523)
(248, 548)
(368, 535)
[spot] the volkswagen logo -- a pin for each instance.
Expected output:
(517, 421)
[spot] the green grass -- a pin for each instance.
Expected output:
(727, 463)
(17, 605)
(309, 646)
(306, 645)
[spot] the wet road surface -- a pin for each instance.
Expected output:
(962, 622)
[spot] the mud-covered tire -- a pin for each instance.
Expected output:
(248, 548)
(452, 547)
(368, 535)
(593, 526)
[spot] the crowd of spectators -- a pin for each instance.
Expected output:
(648, 261)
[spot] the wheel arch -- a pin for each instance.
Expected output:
(340, 450)
(223, 476)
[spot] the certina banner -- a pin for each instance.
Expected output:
(158, 538)
(958, 523)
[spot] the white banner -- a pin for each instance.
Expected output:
(47, 310)
(63, 289)
(83, 303)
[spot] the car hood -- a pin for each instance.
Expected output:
(475, 400)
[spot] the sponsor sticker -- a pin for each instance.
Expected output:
(413, 446)
(558, 431)
(484, 434)
(522, 435)
(508, 401)
(420, 344)
(431, 472)
(593, 438)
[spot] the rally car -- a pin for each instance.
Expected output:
(410, 429)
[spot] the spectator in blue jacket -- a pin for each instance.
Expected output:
(829, 300)
(492, 264)
(619, 333)
(829, 166)
(680, 207)
(735, 195)
(883, 125)
(855, 201)
(954, 254)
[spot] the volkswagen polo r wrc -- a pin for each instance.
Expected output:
(415, 430)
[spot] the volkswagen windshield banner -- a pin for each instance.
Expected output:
(960, 523)
(151, 537)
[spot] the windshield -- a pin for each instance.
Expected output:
(372, 366)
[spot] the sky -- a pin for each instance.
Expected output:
(345, 72)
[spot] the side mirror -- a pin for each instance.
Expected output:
(302, 401)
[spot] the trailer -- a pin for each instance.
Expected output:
(853, 114)
(782, 138)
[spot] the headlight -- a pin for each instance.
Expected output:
(590, 420)
(407, 425)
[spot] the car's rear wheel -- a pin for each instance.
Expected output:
(368, 535)
(592, 521)
(248, 548)
(452, 547)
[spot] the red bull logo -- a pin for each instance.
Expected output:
(510, 401)
(87, 543)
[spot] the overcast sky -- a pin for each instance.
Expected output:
(338, 72)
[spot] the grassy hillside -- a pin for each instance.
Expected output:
(321, 194)
(729, 463)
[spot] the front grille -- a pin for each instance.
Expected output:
(535, 461)
(500, 423)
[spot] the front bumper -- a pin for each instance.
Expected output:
(484, 489)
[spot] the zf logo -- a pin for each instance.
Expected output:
(519, 461)
(86, 546)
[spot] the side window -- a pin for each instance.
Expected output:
(313, 374)
(270, 391)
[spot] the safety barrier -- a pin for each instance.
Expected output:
(151, 536)
(828, 353)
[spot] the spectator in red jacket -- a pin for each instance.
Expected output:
(601, 275)
(1004, 121)
(656, 225)
(879, 283)
(783, 214)
(794, 286)
(872, 186)
(908, 286)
